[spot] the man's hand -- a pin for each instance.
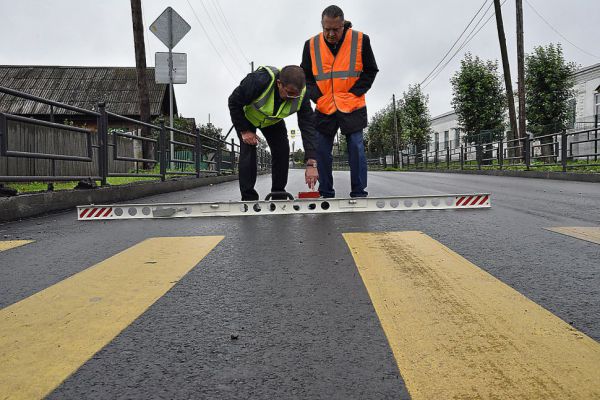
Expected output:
(311, 174)
(250, 138)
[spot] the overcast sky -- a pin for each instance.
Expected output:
(408, 38)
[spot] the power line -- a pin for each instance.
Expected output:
(233, 35)
(211, 42)
(560, 34)
(221, 37)
(470, 37)
(457, 40)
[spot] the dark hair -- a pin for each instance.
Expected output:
(333, 12)
(293, 75)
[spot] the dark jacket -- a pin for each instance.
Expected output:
(251, 87)
(346, 122)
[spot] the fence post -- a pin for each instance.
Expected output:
(501, 153)
(219, 155)
(426, 159)
(462, 158)
(103, 143)
(232, 156)
(478, 154)
(162, 150)
(447, 157)
(563, 149)
(197, 151)
(527, 149)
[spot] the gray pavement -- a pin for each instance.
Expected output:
(287, 285)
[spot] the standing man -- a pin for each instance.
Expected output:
(340, 68)
(262, 100)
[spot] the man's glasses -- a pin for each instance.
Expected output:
(289, 96)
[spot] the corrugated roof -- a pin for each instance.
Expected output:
(82, 87)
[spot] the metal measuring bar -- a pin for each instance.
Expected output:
(277, 207)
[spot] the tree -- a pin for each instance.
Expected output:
(298, 156)
(379, 137)
(549, 84)
(415, 120)
(479, 101)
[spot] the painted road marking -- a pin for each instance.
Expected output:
(11, 244)
(48, 336)
(591, 234)
(459, 333)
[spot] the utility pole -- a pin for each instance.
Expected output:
(251, 66)
(140, 67)
(521, 73)
(397, 150)
(507, 82)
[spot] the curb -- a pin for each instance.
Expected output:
(562, 176)
(30, 205)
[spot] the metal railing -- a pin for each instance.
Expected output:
(566, 150)
(209, 155)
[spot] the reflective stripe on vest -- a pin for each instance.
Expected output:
(261, 111)
(335, 75)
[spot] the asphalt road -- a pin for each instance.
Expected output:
(287, 288)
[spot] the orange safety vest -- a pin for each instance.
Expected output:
(335, 75)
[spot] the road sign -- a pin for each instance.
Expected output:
(161, 62)
(170, 27)
(293, 133)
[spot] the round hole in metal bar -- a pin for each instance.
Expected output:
(394, 203)
(118, 212)
(325, 205)
(257, 208)
(244, 207)
(422, 202)
(296, 207)
(408, 203)
(435, 202)
(272, 207)
(132, 211)
(312, 206)
(146, 210)
(449, 201)
(380, 203)
(188, 210)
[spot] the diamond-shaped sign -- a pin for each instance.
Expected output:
(170, 27)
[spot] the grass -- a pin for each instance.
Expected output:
(32, 187)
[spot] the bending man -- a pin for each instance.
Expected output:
(261, 101)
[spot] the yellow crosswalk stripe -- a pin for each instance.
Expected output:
(49, 335)
(459, 333)
(11, 244)
(591, 234)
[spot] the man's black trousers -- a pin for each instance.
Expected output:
(277, 140)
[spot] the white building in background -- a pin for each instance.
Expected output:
(587, 94)
(446, 130)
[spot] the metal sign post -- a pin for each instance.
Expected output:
(170, 28)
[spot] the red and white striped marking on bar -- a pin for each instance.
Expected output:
(95, 212)
(472, 201)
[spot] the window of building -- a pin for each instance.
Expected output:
(437, 141)
(446, 139)
(597, 103)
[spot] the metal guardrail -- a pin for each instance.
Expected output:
(562, 149)
(220, 156)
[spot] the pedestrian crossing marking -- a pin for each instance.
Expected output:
(457, 332)
(49, 335)
(590, 234)
(11, 244)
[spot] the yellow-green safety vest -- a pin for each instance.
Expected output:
(261, 111)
